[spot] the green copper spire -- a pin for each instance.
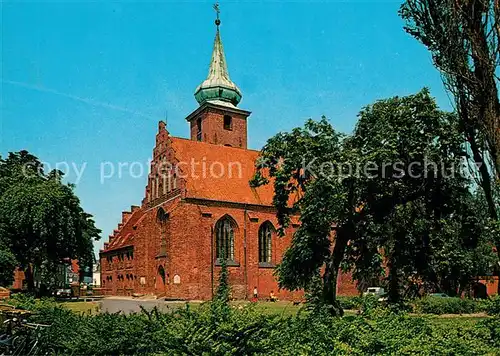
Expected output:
(218, 86)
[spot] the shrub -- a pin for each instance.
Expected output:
(493, 306)
(28, 302)
(350, 302)
(492, 326)
(246, 331)
(437, 305)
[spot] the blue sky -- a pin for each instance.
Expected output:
(87, 82)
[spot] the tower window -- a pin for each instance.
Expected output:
(198, 129)
(228, 122)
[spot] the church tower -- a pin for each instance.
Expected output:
(218, 120)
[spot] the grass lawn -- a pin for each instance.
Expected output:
(82, 307)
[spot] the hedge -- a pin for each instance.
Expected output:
(432, 305)
(205, 331)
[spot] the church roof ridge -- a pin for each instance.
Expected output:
(212, 144)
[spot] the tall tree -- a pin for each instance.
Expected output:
(8, 264)
(417, 158)
(401, 151)
(305, 166)
(41, 220)
(464, 39)
(427, 250)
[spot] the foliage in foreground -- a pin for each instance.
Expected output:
(246, 331)
(430, 305)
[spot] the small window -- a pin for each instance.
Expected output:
(265, 235)
(198, 129)
(228, 122)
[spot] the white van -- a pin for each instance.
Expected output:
(376, 291)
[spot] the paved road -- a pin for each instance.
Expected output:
(125, 305)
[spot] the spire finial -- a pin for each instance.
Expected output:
(217, 11)
(218, 86)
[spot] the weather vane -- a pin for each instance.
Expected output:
(217, 10)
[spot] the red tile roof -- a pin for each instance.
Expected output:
(220, 173)
(212, 172)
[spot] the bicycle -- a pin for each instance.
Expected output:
(21, 338)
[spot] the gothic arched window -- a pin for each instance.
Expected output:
(162, 217)
(224, 238)
(265, 234)
(228, 122)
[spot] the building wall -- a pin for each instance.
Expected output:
(212, 128)
(491, 284)
(18, 279)
(190, 268)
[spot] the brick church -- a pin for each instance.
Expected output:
(199, 206)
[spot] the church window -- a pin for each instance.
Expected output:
(161, 216)
(265, 234)
(228, 122)
(224, 230)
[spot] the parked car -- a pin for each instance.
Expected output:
(439, 295)
(63, 293)
(377, 292)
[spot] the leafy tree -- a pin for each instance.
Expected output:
(464, 39)
(402, 150)
(294, 161)
(8, 264)
(425, 252)
(41, 220)
(417, 154)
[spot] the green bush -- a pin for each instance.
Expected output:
(492, 326)
(350, 302)
(437, 305)
(206, 332)
(27, 302)
(493, 306)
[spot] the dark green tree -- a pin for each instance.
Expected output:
(435, 223)
(41, 220)
(402, 150)
(8, 264)
(464, 40)
(220, 302)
